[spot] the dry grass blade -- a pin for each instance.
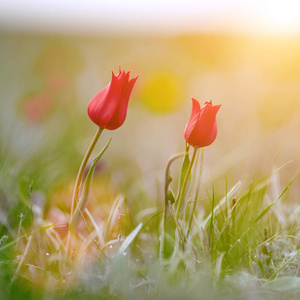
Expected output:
(113, 215)
(23, 258)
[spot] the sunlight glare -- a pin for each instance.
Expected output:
(282, 16)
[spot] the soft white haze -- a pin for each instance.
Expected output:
(151, 17)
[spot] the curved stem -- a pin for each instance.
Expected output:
(167, 183)
(185, 183)
(79, 177)
(82, 167)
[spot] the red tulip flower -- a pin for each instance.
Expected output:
(109, 107)
(201, 130)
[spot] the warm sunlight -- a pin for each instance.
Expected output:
(282, 17)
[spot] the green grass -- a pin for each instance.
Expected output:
(241, 242)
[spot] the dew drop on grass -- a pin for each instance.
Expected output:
(47, 254)
(124, 253)
(110, 247)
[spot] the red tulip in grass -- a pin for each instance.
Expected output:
(108, 110)
(200, 131)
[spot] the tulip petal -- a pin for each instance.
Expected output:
(121, 110)
(128, 89)
(109, 107)
(104, 104)
(202, 131)
(193, 119)
(95, 106)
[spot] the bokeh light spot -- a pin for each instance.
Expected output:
(162, 92)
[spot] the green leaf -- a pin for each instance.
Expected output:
(261, 268)
(184, 168)
(86, 190)
(270, 205)
(287, 187)
(170, 196)
(217, 208)
(263, 213)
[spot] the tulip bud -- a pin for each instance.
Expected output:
(109, 107)
(201, 130)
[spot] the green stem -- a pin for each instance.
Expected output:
(82, 167)
(182, 192)
(180, 231)
(167, 183)
(196, 196)
(79, 178)
(162, 237)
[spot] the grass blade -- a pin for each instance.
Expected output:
(130, 239)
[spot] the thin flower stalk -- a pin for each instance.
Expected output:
(79, 180)
(182, 192)
(168, 180)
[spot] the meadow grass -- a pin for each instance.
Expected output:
(238, 243)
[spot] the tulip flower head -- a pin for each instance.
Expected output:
(109, 107)
(201, 130)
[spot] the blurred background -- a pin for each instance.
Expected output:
(56, 55)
